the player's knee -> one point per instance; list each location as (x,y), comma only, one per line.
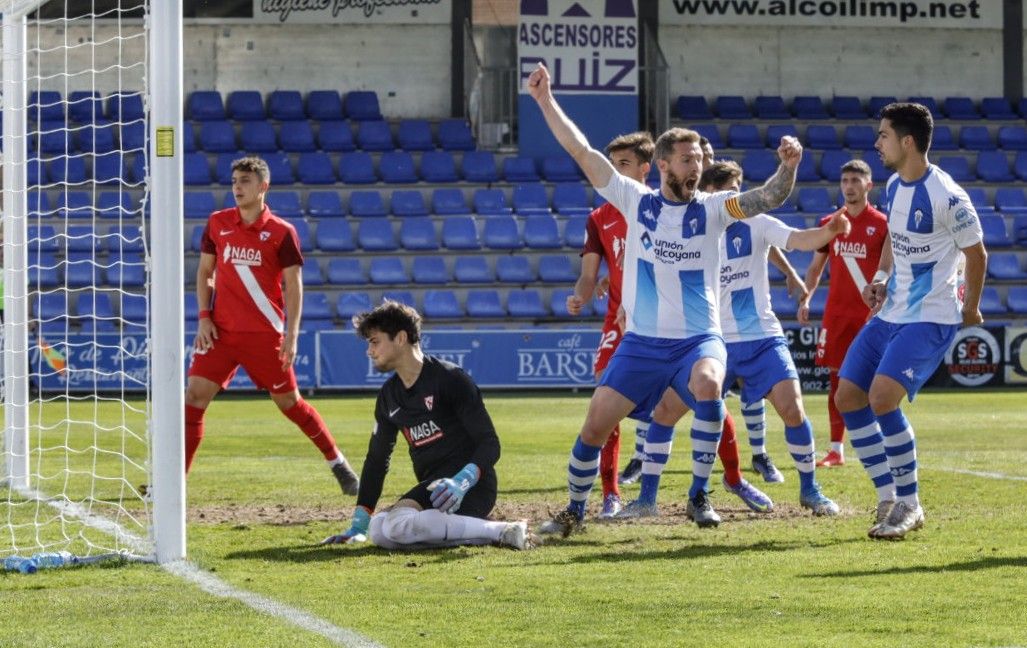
(881,402)
(197,397)
(792,414)
(400,526)
(705,387)
(286,401)
(849,398)
(375,530)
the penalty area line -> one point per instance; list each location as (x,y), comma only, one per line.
(976,473)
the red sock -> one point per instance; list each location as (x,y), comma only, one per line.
(608,460)
(193,433)
(728,452)
(837,422)
(308,420)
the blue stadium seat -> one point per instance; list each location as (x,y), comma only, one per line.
(408,202)
(39,204)
(223,168)
(415,135)
(125,238)
(525,303)
(325,204)
(311,273)
(1020,165)
(560,168)
(570,199)
(418,233)
(285,204)
(519,169)
(961,108)
(50,306)
(574,232)
(1010,200)
(1017,299)
(302,233)
(286,105)
(500,233)
(796,220)
(126,270)
(817,304)
(490,202)
(429,270)
(125,107)
(942,139)
(847,108)
(36,172)
(731,107)
(246,105)
(351,304)
(133,137)
(822,137)
(710,132)
(992,166)
(759,165)
(313,325)
(878,172)
(74,204)
(558,304)
(541,232)
(217,137)
(997,108)
(376,235)
(809,107)
(807,171)
(97,138)
(397,167)
(1005,265)
(991,302)
(335,136)
(995,233)
(514,269)
(82,238)
(876,103)
(599,306)
(315,307)
(192,310)
(83,270)
(530,199)
(346,271)
(442,304)
(815,200)
(196,239)
(375,136)
(692,107)
(776,131)
(1012,138)
(46,105)
(484,304)
(42,238)
(976,138)
(111,204)
(472,270)
(455,135)
(281,168)
(446,202)
(362,105)
(256,137)
(55,138)
(479,166)
(460,233)
(556,268)
(929,103)
(205,105)
(770,107)
(744,136)
(363,204)
(324,105)
(979,199)
(138,167)
(860,138)
(402,296)
(85,106)
(831,163)
(958,168)
(133,307)
(356,168)
(388,270)
(109,168)
(438,166)
(335,236)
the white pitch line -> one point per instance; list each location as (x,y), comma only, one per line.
(987,475)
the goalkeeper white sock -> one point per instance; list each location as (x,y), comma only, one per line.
(404,526)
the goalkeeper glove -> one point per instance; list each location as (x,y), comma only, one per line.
(447,494)
(357,531)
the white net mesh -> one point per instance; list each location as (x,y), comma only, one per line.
(87,300)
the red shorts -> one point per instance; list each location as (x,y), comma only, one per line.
(257,353)
(836,335)
(608,343)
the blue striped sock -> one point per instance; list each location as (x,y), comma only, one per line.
(658,442)
(755,415)
(706,428)
(581,474)
(800,445)
(641,429)
(900,448)
(865,436)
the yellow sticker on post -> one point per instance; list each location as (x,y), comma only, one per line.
(165,141)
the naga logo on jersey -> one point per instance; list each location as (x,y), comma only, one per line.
(265,236)
(429,401)
(238,255)
(850,249)
(419,435)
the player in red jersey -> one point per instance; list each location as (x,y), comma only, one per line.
(631,155)
(246,251)
(854,260)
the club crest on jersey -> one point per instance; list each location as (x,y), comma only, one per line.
(921,221)
(238,255)
(265,236)
(737,242)
(918,216)
(429,401)
(423,433)
(694,222)
(739,237)
(870,230)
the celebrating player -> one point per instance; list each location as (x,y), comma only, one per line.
(854,258)
(244,313)
(930,221)
(453,446)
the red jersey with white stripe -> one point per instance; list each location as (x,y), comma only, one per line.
(853,262)
(248,279)
(604,235)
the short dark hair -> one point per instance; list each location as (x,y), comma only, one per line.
(390,318)
(911,119)
(640,143)
(253,164)
(719,174)
(857,166)
(665,143)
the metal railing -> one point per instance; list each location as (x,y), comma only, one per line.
(491,87)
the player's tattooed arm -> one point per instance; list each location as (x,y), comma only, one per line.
(775,190)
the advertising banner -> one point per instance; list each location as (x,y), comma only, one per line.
(353,12)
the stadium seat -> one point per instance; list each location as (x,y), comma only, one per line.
(732,107)
(472,270)
(46,105)
(574,232)
(402,296)
(325,204)
(205,105)
(1010,200)
(408,202)
(126,270)
(692,107)
(997,108)
(302,233)
(280,167)
(346,271)
(286,105)
(541,232)
(995,233)
(388,270)
(109,168)
(710,132)
(929,103)
(429,270)
(992,166)
(490,202)
(196,169)
(525,303)
(418,233)
(83,270)
(599,306)
(876,103)
(556,268)
(976,138)
(500,233)
(519,169)
(362,105)
(991,302)
(350,304)
(36,172)
(776,131)
(1020,165)
(1012,138)
(94,304)
(744,136)
(375,136)
(560,168)
(860,138)
(415,135)
(315,306)
(55,138)
(514,269)
(1017,299)
(356,168)
(570,199)
(558,304)
(455,135)
(831,163)
(74,204)
(125,107)
(364,204)
(97,137)
(125,238)
(807,171)
(111,204)
(39,204)
(324,105)
(217,137)
(397,167)
(847,108)
(479,166)
(1005,265)
(878,172)
(961,108)
(133,137)
(442,304)
(311,273)
(822,136)
(376,235)
(285,204)
(446,202)
(85,106)
(979,199)
(530,198)
(460,233)
(484,304)
(195,240)
(335,136)
(770,107)
(42,238)
(258,137)
(82,238)
(815,200)
(246,105)
(438,166)
(335,236)
(759,165)
(958,168)
(809,107)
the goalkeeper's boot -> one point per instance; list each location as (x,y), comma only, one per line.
(631,472)
(517,536)
(815,500)
(701,511)
(753,497)
(348,480)
(902,519)
(764,465)
(564,523)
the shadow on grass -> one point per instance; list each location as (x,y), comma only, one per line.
(991,562)
(691,549)
(321,553)
(534,491)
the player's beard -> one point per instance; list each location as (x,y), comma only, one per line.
(680,187)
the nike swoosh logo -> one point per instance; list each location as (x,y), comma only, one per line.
(608,226)
(278,385)
(228,231)
(393,412)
